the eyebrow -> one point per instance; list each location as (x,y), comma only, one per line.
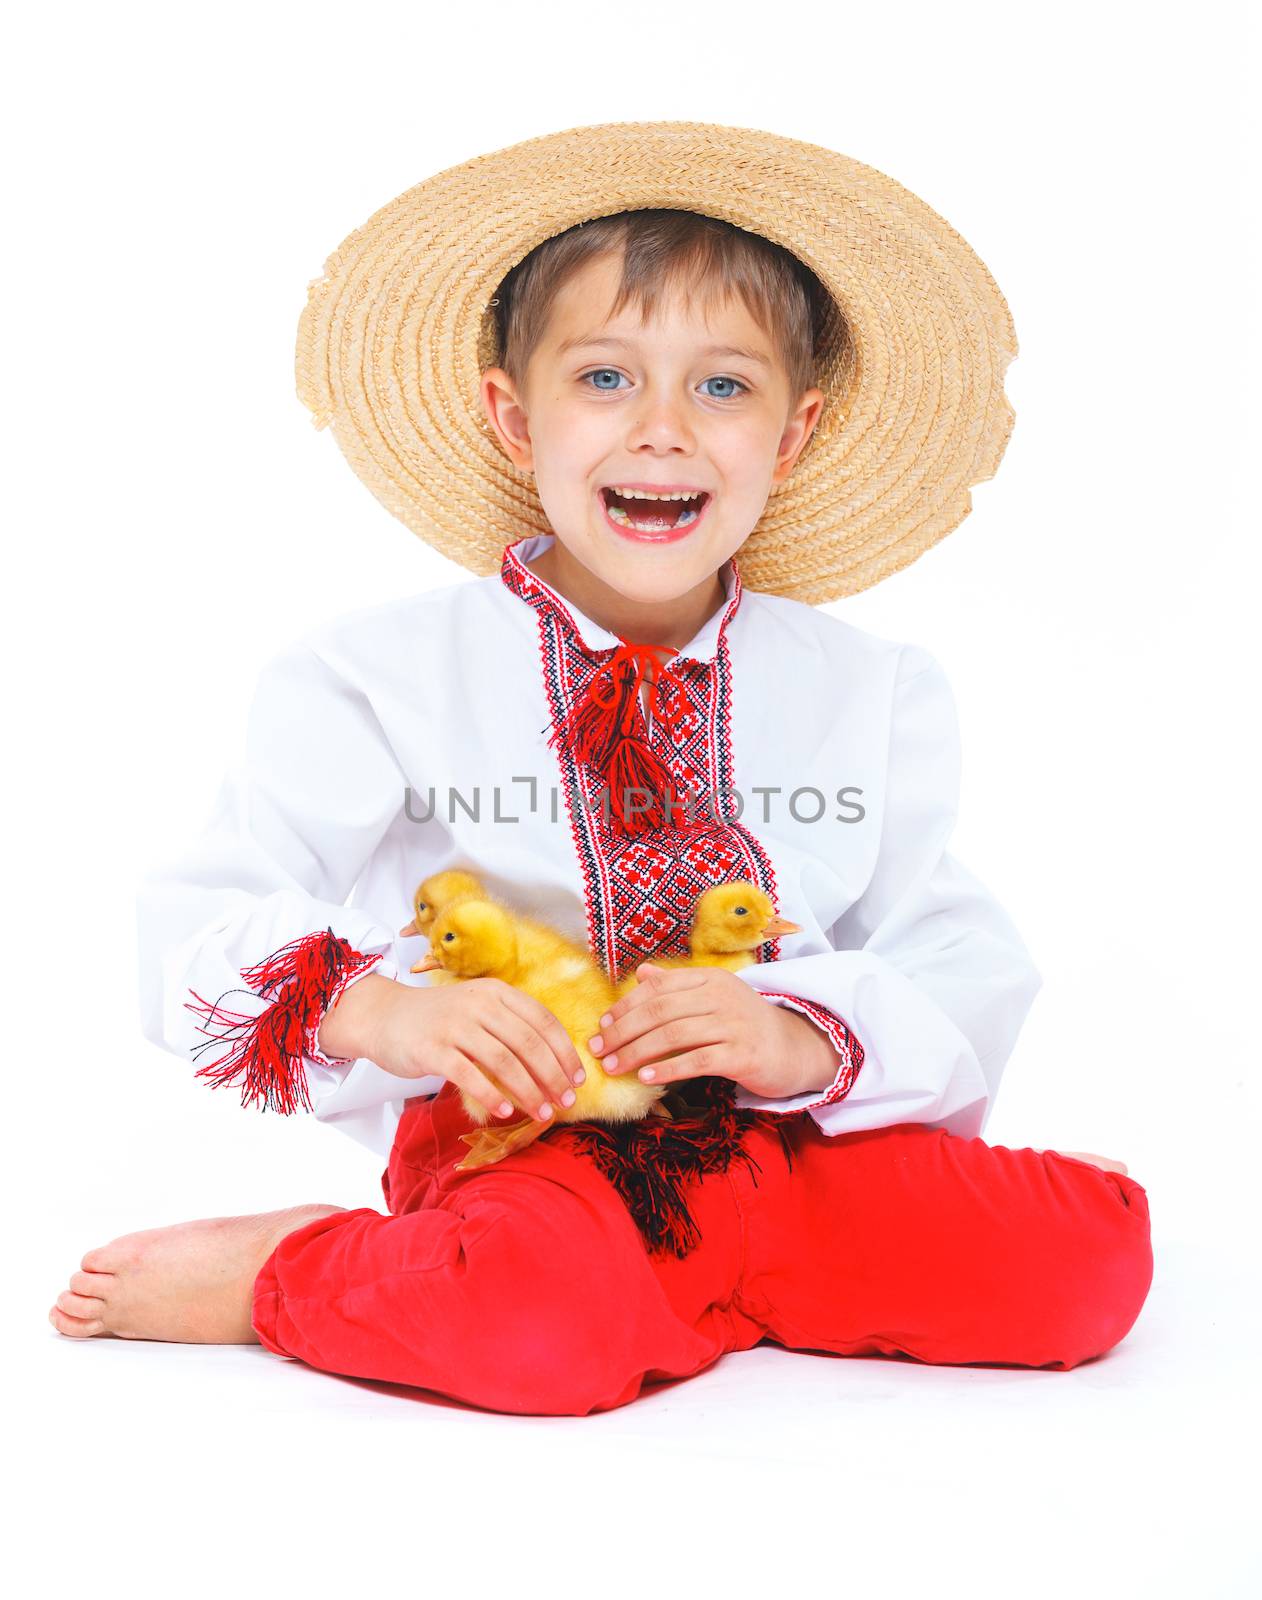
(592,339)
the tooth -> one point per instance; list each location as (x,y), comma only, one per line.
(643,494)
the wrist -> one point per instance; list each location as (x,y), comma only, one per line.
(813,1054)
(349,1028)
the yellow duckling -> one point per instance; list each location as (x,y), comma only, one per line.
(435,894)
(729,922)
(474,938)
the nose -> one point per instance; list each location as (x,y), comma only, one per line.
(660,421)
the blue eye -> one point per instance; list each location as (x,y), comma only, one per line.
(601,372)
(736,381)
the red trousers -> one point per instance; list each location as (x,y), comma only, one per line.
(526,1286)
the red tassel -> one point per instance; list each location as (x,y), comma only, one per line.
(652,1162)
(600,731)
(306,978)
(635,769)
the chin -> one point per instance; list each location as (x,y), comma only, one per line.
(650,577)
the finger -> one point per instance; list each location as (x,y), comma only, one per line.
(703,1062)
(503,1066)
(536,1054)
(549,1027)
(468,1075)
(653,980)
(655,1054)
(545,1083)
(655,1012)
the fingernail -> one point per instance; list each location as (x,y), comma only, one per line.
(568,1098)
(506,1109)
(545,1112)
(647,1074)
(595,1044)
(606,1021)
(610,1063)
(580,1075)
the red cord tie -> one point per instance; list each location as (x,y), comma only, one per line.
(600,730)
(306,978)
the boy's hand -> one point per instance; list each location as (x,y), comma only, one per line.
(489,1038)
(692,1022)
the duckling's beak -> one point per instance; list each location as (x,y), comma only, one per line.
(410,931)
(778,927)
(427,963)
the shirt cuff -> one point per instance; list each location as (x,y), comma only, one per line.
(368,963)
(849,1058)
(269,1051)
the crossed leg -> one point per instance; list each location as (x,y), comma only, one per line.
(904,1240)
(912,1241)
(523,1288)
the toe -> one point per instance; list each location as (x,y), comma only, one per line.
(1105,1163)
(96,1285)
(81,1306)
(103,1259)
(74,1327)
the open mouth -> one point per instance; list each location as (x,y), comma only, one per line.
(649,513)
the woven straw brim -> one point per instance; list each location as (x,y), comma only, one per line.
(399,329)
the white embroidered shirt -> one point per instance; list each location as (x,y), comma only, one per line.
(413,736)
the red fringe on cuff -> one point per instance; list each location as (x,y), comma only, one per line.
(303,980)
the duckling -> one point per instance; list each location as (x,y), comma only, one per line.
(474,938)
(729,922)
(433,895)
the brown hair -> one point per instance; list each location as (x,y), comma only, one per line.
(675,249)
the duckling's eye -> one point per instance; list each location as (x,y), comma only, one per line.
(741,911)
(448,937)
(421,905)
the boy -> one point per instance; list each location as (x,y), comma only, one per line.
(840,1198)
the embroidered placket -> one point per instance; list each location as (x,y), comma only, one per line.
(640,891)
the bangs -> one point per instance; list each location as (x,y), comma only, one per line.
(668,253)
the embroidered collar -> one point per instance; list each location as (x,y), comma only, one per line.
(521,581)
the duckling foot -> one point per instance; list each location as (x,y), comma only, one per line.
(488,1145)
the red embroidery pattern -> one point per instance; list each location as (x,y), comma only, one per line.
(641,890)
(847,1046)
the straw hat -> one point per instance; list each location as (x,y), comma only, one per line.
(397,332)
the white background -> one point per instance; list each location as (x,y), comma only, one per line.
(176,176)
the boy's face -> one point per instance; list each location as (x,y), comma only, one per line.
(655,405)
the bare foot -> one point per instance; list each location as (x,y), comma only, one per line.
(1102,1162)
(188,1284)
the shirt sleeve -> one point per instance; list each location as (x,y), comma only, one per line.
(926,968)
(245,939)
